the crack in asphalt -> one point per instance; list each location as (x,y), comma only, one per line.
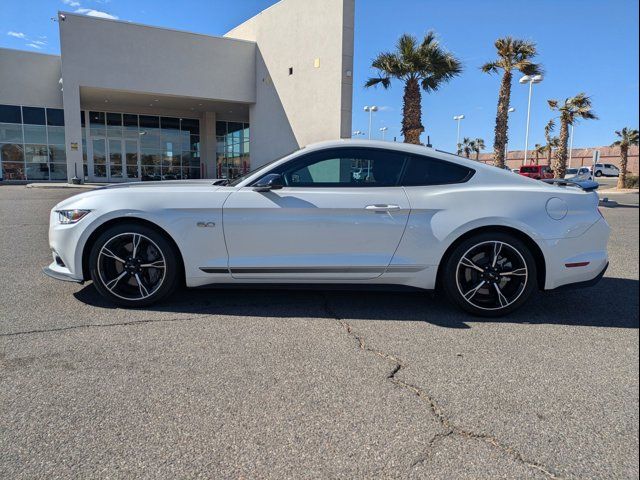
(449,427)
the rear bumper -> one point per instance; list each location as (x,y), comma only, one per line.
(577,261)
(586,283)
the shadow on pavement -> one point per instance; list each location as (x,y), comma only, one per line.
(612,303)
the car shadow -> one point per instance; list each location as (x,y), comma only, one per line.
(612,303)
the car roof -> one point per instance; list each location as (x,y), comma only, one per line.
(399,147)
(396,147)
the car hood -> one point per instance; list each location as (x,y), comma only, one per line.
(170,187)
(159,184)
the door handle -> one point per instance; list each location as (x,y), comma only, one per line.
(382,207)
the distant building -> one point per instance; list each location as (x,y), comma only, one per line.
(146,103)
(579,157)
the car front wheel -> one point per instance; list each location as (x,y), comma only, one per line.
(133,265)
(490,275)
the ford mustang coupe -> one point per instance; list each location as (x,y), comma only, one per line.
(341,212)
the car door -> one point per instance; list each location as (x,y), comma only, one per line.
(340,215)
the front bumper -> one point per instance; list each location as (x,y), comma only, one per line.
(60,273)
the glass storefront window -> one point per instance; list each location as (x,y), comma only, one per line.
(10,114)
(97,124)
(55,117)
(35,134)
(155,146)
(114,125)
(10,133)
(58,171)
(36,154)
(55,135)
(33,116)
(57,154)
(232,149)
(32,140)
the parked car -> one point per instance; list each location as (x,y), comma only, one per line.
(537,172)
(605,170)
(421,219)
(582,173)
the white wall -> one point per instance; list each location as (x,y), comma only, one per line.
(314,103)
(125,56)
(28,78)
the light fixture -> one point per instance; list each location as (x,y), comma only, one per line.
(530,79)
(370,109)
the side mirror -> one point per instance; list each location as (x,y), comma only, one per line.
(273,181)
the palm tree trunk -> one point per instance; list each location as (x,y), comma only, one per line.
(412,112)
(560,168)
(624,156)
(502,120)
(549,155)
(478,156)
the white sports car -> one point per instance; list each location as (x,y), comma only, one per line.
(342,212)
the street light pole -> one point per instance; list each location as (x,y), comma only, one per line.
(571,146)
(383,130)
(458,118)
(530,80)
(370,109)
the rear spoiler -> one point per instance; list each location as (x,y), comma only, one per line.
(586,185)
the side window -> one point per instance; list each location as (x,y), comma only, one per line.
(430,171)
(347,167)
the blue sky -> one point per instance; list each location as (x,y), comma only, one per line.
(584,45)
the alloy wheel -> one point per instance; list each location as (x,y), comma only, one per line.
(131,266)
(492,275)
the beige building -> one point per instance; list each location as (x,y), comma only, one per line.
(128,102)
(579,157)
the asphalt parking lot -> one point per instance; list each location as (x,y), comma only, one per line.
(311,384)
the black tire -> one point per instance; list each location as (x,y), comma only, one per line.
(151,274)
(598,173)
(514,274)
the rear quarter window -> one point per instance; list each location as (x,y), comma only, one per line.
(422,170)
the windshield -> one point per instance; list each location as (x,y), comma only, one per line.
(238,180)
(528,169)
(572,170)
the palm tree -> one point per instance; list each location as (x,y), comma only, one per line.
(628,137)
(425,65)
(478,146)
(467,146)
(552,142)
(571,110)
(538,151)
(513,54)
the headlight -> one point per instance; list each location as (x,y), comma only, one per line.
(71,216)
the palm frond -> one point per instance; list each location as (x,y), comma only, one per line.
(490,67)
(375,81)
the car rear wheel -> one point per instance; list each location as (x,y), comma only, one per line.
(133,265)
(598,173)
(490,275)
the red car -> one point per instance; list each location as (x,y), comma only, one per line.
(537,172)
